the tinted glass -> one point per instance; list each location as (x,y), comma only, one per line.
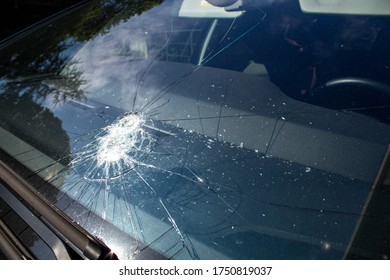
(203,133)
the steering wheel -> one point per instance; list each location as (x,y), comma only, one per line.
(361,82)
(349,92)
(365,96)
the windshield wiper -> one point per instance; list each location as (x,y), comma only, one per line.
(10,244)
(88,245)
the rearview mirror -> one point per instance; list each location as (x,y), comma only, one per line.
(222,3)
(208,8)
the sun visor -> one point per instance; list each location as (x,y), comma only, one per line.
(203,9)
(348,7)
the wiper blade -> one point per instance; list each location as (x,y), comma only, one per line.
(11,246)
(90,247)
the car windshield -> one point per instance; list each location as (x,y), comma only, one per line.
(193,131)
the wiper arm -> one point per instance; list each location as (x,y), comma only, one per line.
(90,247)
(11,245)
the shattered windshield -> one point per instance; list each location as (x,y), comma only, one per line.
(201,132)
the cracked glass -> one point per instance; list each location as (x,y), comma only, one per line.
(202,132)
